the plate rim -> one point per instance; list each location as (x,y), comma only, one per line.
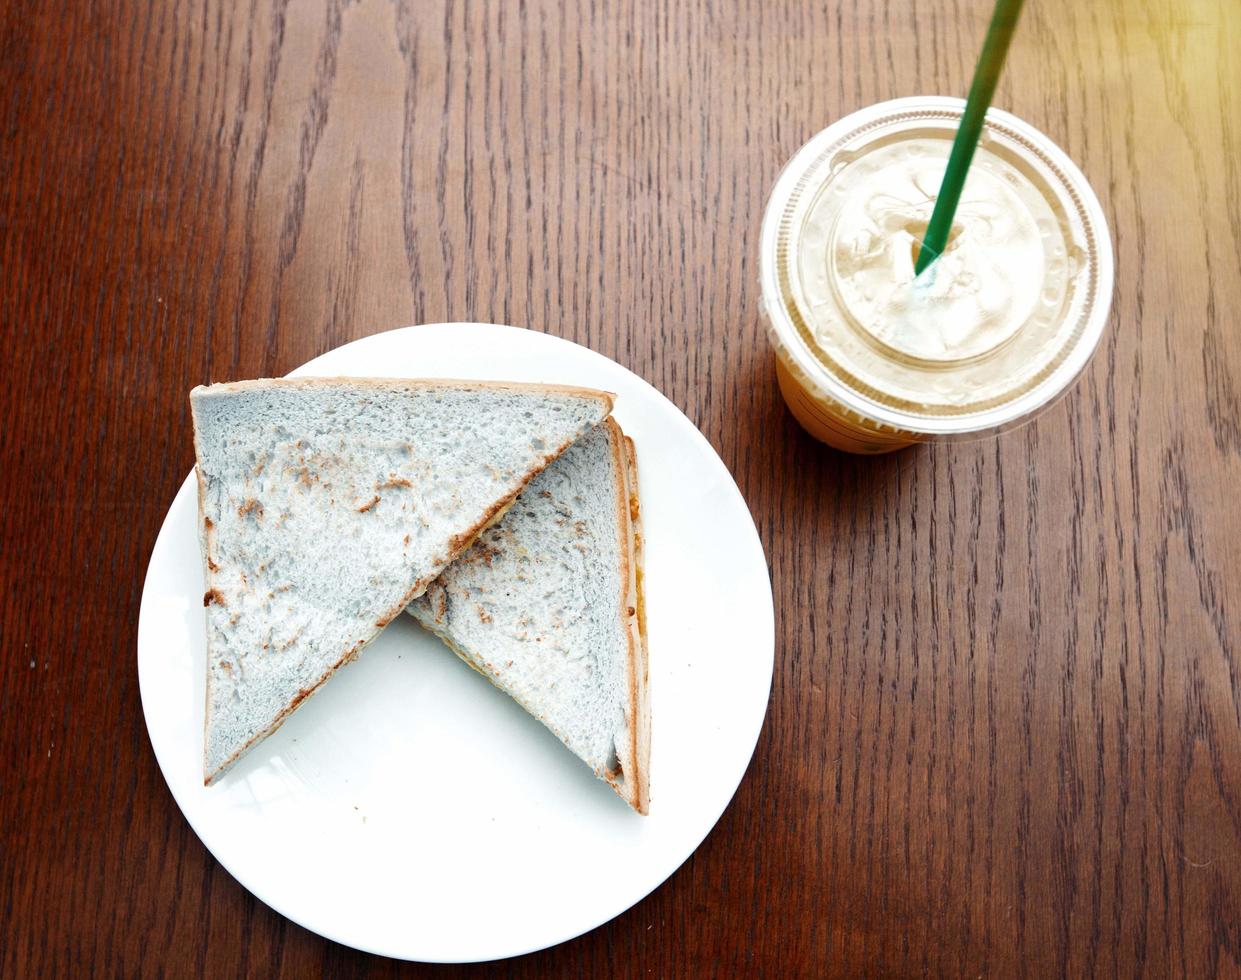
(766,609)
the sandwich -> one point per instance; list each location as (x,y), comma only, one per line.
(547,605)
(327,504)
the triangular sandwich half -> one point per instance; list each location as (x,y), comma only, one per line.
(547,605)
(327,504)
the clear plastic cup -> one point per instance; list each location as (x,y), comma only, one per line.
(870,360)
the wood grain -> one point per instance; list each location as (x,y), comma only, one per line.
(1005,730)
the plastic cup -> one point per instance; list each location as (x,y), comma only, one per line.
(870,360)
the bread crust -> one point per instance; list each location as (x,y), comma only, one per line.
(467,383)
(636,785)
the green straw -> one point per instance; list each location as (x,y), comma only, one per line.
(986,74)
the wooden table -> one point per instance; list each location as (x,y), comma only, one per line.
(1005,729)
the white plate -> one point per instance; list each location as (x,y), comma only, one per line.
(412,810)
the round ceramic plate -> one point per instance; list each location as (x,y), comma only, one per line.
(411,809)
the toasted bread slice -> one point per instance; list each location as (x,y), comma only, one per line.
(327,504)
(547,605)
